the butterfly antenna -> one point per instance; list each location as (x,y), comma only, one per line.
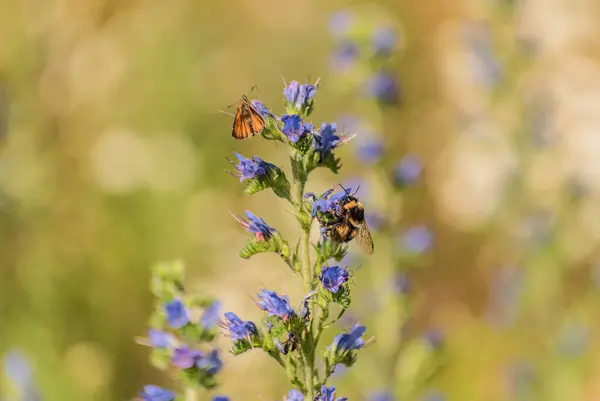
(225,112)
(283,79)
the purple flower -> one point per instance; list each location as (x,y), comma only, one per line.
(294,395)
(417,240)
(350,341)
(326,140)
(186,358)
(320,204)
(384,41)
(275,304)
(328,394)
(210,317)
(340,23)
(251,168)
(262,109)
(255,225)
(383,395)
(177,315)
(155,393)
(220,398)
(370,151)
(237,328)
(375,220)
(293,128)
(407,170)
(401,284)
(210,363)
(160,339)
(434,337)
(333,277)
(299,95)
(384,88)
(345,53)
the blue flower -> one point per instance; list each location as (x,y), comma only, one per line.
(345,53)
(326,140)
(320,204)
(275,304)
(177,315)
(340,23)
(294,395)
(375,220)
(299,95)
(293,128)
(384,395)
(237,328)
(328,394)
(384,41)
(417,240)
(256,225)
(155,393)
(401,284)
(251,168)
(350,341)
(333,277)
(210,363)
(185,357)
(434,338)
(370,151)
(210,317)
(160,339)
(220,398)
(407,170)
(262,109)
(384,88)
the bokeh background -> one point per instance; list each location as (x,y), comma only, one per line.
(112,157)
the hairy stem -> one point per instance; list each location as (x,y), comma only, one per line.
(307,275)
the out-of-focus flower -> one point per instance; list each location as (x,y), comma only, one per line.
(262,109)
(293,128)
(274,304)
(186,358)
(256,226)
(407,170)
(401,284)
(369,150)
(177,315)
(160,339)
(251,168)
(375,220)
(384,41)
(328,394)
(344,55)
(237,328)
(210,363)
(155,393)
(210,317)
(434,338)
(220,398)
(333,277)
(299,95)
(417,240)
(294,395)
(384,87)
(340,23)
(383,395)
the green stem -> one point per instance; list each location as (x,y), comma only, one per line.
(307,275)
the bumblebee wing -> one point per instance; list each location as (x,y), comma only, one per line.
(364,239)
(241,127)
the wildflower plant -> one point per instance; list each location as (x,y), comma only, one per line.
(182,329)
(291,333)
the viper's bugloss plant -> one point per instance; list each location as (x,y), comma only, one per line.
(290,333)
(182,329)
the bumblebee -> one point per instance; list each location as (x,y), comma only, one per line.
(348,223)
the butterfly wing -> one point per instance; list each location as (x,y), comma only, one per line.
(257,123)
(241,129)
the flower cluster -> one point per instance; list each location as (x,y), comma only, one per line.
(373,46)
(180,343)
(290,334)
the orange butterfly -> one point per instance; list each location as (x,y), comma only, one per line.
(247,121)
